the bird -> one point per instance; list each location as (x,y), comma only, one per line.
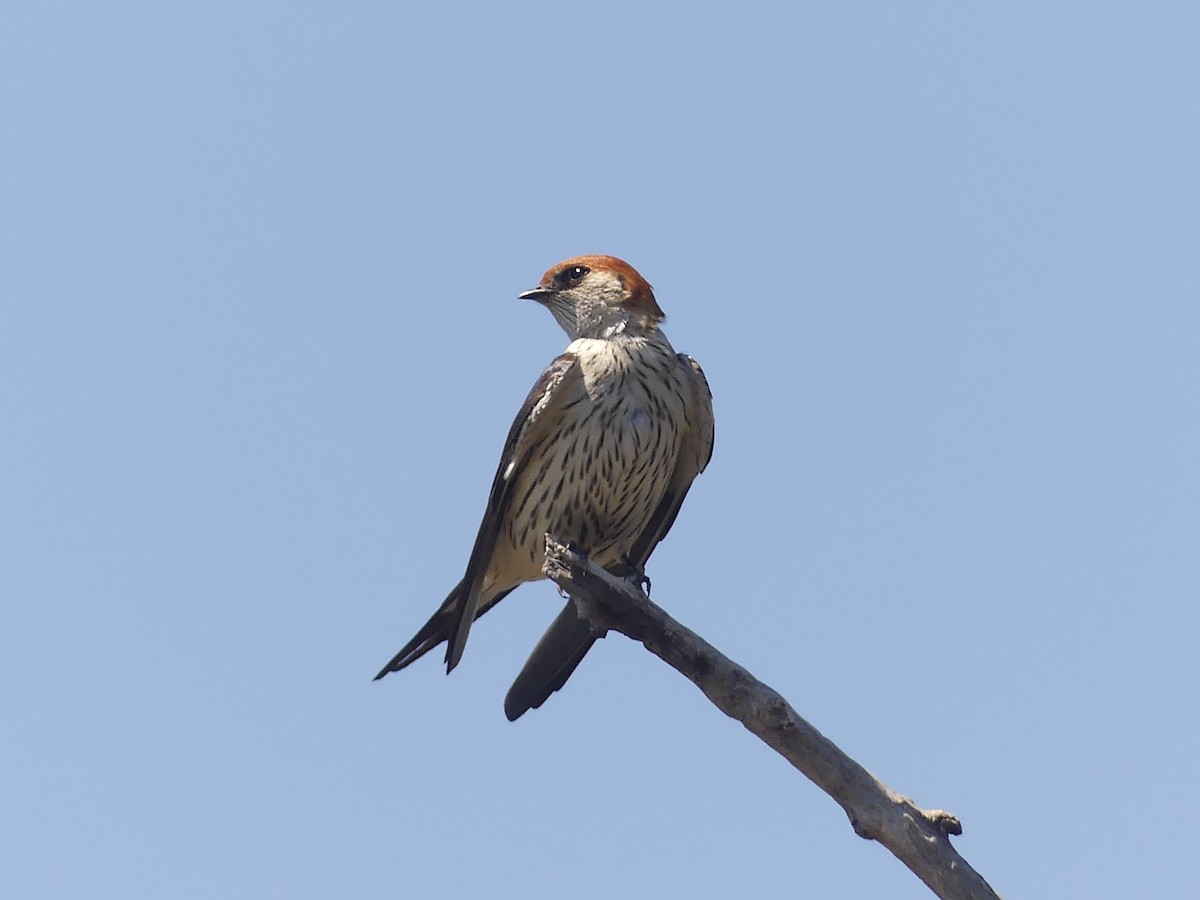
(600,455)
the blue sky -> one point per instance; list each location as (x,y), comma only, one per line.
(259,347)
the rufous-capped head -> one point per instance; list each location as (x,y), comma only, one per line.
(597,296)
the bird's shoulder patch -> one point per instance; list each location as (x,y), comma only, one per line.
(700,414)
(544,393)
(696,371)
(549,382)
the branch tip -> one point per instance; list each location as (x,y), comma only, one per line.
(919,838)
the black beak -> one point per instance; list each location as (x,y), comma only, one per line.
(541,295)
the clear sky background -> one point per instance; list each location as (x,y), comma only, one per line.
(259,348)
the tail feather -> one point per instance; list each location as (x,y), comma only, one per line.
(459,626)
(561,649)
(435,631)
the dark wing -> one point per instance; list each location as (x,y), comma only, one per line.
(453,618)
(569,637)
(694,454)
(532,426)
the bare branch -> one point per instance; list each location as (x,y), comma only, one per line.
(919,838)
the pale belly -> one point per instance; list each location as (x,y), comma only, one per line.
(596,486)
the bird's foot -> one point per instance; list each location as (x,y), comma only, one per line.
(580,552)
(627,570)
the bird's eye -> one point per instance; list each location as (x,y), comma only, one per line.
(573,275)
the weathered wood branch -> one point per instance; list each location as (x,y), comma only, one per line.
(919,838)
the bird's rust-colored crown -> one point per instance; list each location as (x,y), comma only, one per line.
(641,295)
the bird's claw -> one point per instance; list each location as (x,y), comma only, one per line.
(579,551)
(627,570)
